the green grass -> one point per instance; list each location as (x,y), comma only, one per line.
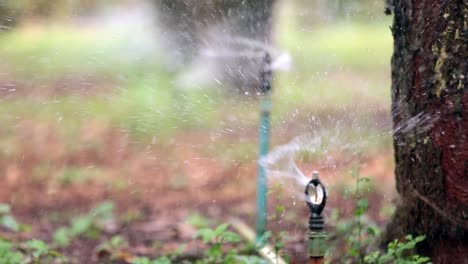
(53,52)
(353,45)
(335,66)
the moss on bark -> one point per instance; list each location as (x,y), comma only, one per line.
(429,64)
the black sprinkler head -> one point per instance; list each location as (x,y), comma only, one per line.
(266,74)
(316,198)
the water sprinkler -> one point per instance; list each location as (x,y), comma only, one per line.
(316,198)
(264,138)
(266,75)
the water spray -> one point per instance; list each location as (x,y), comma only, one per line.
(316,198)
(264,138)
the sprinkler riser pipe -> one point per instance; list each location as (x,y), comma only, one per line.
(264,136)
(317,245)
(317,237)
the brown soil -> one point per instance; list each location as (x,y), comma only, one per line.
(162,184)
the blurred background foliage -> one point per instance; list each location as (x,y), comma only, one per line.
(50,48)
(13,12)
(117,96)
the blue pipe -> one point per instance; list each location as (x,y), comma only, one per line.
(264,138)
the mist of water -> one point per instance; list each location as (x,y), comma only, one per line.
(240,47)
(329,147)
(223,55)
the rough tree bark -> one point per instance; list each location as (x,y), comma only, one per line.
(430,111)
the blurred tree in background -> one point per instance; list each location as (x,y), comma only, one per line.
(190,26)
(188,21)
(15,12)
(179,14)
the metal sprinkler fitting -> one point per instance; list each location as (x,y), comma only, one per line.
(316,198)
(266,74)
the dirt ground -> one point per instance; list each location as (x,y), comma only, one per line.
(162,186)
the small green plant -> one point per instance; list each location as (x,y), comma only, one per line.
(277,240)
(116,243)
(399,253)
(197,220)
(39,252)
(8,254)
(30,252)
(359,232)
(89,224)
(167,259)
(6,219)
(145,260)
(215,238)
(357,246)
(37,248)
(250,260)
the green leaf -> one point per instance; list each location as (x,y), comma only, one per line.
(38,248)
(371,231)
(230,236)
(279,245)
(250,260)
(103,209)
(80,225)
(363,203)
(4,208)
(162,260)
(343,226)
(263,239)
(198,220)
(9,222)
(215,250)
(118,241)
(420,238)
(9,255)
(206,234)
(386,258)
(359,211)
(353,252)
(279,209)
(221,228)
(61,237)
(364,179)
(141,260)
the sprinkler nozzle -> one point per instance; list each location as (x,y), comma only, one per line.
(316,198)
(316,195)
(266,74)
(315,175)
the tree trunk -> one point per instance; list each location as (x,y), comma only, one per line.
(430,111)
